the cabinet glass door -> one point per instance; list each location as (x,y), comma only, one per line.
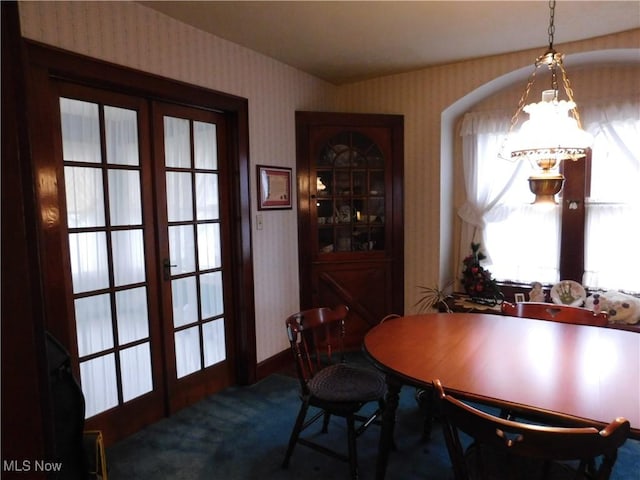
(350,195)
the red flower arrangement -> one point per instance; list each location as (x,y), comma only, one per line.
(477,281)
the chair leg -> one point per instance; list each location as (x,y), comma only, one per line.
(295,433)
(353,452)
(325,422)
(424,397)
(381,406)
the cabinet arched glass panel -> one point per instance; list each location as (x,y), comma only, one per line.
(350,196)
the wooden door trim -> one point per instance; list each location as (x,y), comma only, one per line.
(27,426)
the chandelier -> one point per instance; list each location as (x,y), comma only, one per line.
(553,131)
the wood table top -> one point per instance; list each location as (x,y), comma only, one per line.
(585,374)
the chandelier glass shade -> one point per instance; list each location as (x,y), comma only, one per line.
(552,133)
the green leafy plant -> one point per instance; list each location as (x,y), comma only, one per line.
(433,298)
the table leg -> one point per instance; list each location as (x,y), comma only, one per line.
(388,425)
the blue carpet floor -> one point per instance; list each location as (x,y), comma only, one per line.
(242,433)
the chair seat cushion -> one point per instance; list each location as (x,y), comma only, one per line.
(345,383)
(496,465)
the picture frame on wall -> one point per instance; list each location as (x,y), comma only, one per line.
(274,188)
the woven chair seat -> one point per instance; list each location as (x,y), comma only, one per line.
(345,383)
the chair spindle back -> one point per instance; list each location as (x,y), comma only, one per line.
(510,439)
(556,313)
(316,336)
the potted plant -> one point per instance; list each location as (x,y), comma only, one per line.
(434,298)
(477,281)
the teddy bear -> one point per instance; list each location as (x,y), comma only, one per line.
(622,308)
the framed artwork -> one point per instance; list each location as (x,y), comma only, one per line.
(519,297)
(274,188)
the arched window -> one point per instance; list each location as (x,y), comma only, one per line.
(523,241)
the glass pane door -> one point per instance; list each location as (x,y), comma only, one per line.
(102,174)
(194,265)
(135,197)
(350,195)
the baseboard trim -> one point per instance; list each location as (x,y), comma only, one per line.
(275,364)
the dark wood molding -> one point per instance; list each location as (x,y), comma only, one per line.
(572,239)
(91,72)
(27,428)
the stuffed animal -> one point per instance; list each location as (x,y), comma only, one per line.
(622,308)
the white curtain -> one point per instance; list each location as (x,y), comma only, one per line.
(481,140)
(519,240)
(613,206)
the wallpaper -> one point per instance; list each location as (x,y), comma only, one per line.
(434,99)
(431,101)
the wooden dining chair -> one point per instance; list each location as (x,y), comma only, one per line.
(556,313)
(328,382)
(506,449)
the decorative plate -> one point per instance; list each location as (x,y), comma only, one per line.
(568,292)
(342,155)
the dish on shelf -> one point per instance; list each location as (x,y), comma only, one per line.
(342,156)
(568,292)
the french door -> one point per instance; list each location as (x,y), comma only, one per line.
(190,185)
(145,205)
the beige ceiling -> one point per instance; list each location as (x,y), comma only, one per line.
(343,41)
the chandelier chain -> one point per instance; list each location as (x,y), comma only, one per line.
(523,99)
(554,76)
(569,91)
(538,151)
(552,27)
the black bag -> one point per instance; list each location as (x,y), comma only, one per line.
(67,404)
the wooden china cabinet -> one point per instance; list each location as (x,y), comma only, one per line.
(350,206)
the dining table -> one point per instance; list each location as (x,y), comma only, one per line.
(574,375)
